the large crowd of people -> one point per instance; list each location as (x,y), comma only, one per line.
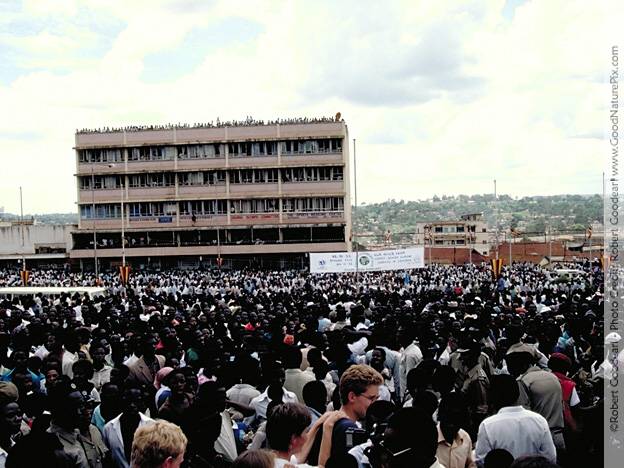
(248,122)
(444,366)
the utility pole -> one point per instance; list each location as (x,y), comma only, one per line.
(218,249)
(496,218)
(357,249)
(591,258)
(22,230)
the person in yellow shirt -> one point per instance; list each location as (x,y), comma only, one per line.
(454,443)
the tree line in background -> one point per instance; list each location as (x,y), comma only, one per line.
(527,214)
(537,214)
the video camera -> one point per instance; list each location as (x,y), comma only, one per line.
(357,436)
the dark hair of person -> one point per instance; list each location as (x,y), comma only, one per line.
(453,402)
(504,390)
(443,379)
(426,401)
(533,462)
(254,459)
(421,376)
(320,370)
(123,370)
(314,355)
(285,421)
(377,411)
(292,357)
(314,393)
(413,428)
(341,460)
(85,366)
(498,458)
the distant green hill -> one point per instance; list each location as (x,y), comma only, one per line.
(572,213)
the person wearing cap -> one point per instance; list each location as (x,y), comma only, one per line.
(560,365)
(476,385)
(10,419)
(68,407)
(540,390)
(458,365)
(91,437)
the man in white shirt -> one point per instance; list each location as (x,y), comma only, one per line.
(70,355)
(243,392)
(392,363)
(411,356)
(295,378)
(513,428)
(261,402)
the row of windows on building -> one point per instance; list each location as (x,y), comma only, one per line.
(240,176)
(214,207)
(454,242)
(212,150)
(451,229)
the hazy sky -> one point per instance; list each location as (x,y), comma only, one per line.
(442,96)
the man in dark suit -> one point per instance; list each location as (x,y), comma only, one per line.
(144,370)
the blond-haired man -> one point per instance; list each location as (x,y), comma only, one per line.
(158,445)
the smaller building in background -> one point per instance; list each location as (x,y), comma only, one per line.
(469,232)
(40,245)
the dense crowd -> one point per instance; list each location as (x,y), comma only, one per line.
(248,122)
(439,367)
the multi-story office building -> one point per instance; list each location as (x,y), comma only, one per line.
(185,195)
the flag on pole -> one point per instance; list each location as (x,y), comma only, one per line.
(124,274)
(497,267)
(589,232)
(24,275)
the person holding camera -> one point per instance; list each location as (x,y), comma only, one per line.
(359,440)
(409,441)
(359,388)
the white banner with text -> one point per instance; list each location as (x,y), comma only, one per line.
(380,260)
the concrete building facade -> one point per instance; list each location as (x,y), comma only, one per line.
(187,195)
(41,245)
(470,231)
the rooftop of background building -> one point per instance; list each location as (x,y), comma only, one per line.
(248,122)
